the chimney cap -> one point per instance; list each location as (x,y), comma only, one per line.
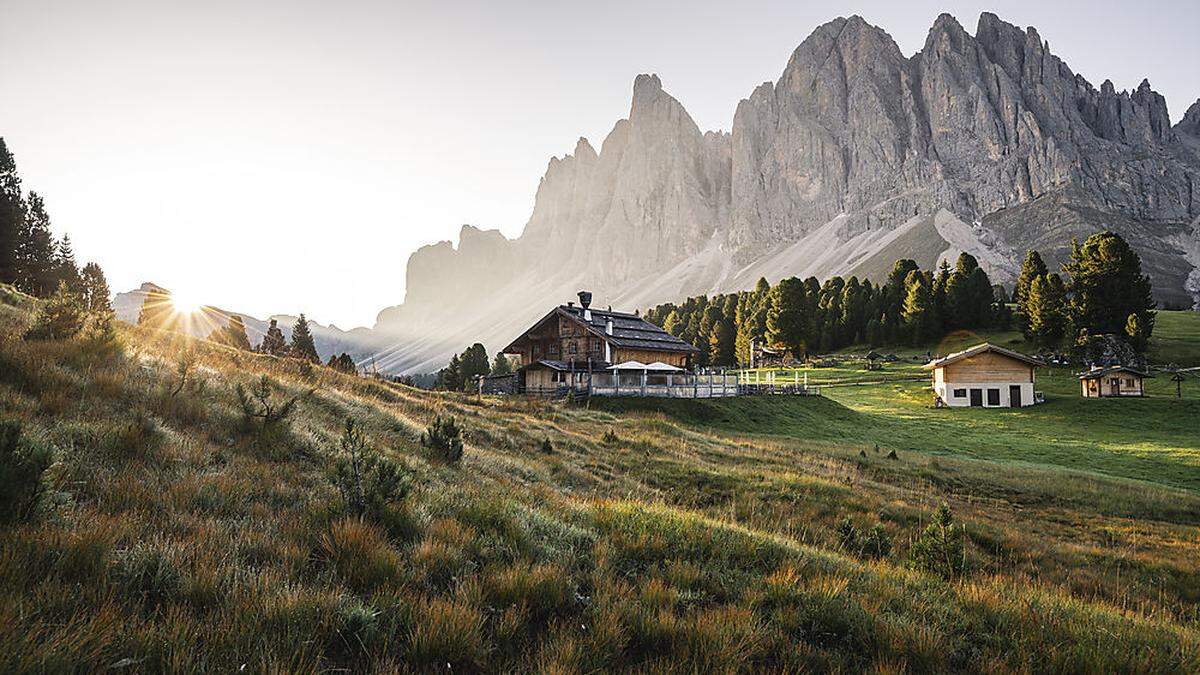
(585,299)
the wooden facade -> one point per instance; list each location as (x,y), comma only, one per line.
(984,376)
(1112,381)
(571,344)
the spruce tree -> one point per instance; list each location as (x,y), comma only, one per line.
(721,343)
(303,346)
(65,268)
(12,216)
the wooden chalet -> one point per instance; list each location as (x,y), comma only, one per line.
(571,345)
(984,376)
(1108,381)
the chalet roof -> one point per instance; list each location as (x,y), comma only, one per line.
(980,349)
(552,365)
(1096,373)
(629,330)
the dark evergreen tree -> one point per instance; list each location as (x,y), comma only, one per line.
(66,269)
(474,363)
(12,216)
(786,321)
(450,377)
(722,343)
(501,365)
(918,309)
(303,346)
(1106,286)
(273,342)
(94,289)
(1044,319)
(1031,268)
(37,265)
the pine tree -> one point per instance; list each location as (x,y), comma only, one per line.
(95,291)
(501,365)
(1107,285)
(1032,268)
(1137,331)
(273,342)
(918,308)
(786,320)
(673,324)
(473,364)
(1045,321)
(12,216)
(721,343)
(37,270)
(450,377)
(303,346)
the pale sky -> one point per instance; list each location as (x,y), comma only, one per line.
(288,156)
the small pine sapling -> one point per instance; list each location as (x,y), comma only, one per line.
(444,438)
(939,550)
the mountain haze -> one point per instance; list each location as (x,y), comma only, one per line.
(856,156)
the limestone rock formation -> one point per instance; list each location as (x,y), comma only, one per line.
(856,155)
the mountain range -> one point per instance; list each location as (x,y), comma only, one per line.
(856,156)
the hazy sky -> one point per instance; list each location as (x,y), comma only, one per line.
(289,156)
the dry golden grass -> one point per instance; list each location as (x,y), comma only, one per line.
(170,540)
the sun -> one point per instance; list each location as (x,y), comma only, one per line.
(183,303)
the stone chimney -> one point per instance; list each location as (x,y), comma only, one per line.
(585,301)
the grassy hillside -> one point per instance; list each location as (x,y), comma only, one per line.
(175,535)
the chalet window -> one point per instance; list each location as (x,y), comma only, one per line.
(993,397)
(595,346)
(558,376)
(553,349)
(1115,381)
(572,348)
(960,393)
(537,350)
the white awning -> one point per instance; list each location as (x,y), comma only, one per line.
(656,367)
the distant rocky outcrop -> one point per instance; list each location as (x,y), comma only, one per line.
(857,155)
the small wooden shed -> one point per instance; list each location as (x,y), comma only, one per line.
(1109,381)
(984,376)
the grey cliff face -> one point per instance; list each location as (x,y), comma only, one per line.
(985,142)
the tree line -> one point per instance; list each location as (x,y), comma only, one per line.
(464,368)
(1103,292)
(803,317)
(32,259)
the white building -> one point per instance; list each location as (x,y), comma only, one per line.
(984,376)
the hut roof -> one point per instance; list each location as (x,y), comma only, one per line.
(980,349)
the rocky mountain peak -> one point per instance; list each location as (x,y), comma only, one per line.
(856,156)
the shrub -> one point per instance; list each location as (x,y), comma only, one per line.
(183,368)
(611,438)
(61,316)
(939,549)
(368,482)
(873,543)
(262,410)
(444,438)
(22,470)
(547,447)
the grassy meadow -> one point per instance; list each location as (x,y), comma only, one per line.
(173,534)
